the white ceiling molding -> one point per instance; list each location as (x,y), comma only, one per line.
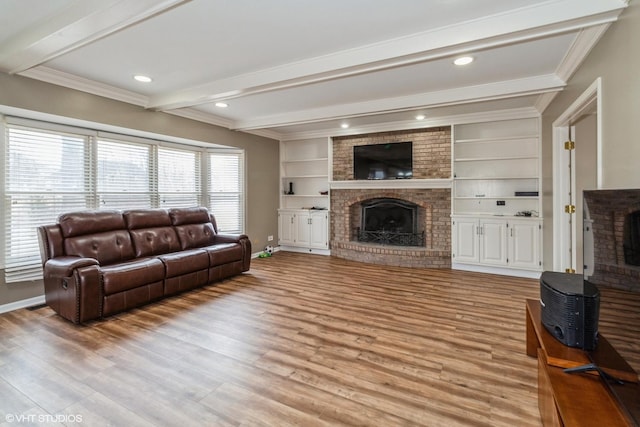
(76,25)
(200,116)
(519,25)
(582,45)
(461,95)
(449,120)
(544,100)
(72,81)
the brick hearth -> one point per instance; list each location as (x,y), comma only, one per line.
(431,161)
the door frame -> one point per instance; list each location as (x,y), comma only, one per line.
(564,236)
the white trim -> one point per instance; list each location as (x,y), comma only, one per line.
(560,128)
(74,82)
(390,184)
(487,116)
(579,49)
(441,98)
(305,250)
(29,302)
(497,270)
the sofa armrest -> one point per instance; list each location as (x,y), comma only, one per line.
(72,288)
(242,240)
(64,266)
(230,238)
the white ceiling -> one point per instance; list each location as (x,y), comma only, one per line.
(294,68)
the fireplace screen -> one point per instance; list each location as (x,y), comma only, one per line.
(389,222)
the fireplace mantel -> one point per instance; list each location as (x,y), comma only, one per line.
(390,184)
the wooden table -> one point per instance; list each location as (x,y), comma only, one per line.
(574,399)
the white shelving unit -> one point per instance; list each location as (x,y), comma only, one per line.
(496,171)
(305,165)
(304,168)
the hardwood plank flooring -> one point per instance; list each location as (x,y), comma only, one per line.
(299,340)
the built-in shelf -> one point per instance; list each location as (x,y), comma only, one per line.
(304,164)
(492,161)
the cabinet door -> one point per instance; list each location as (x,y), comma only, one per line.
(524,244)
(465,240)
(303,228)
(319,230)
(493,242)
(286,228)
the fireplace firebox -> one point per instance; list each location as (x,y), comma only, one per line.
(389,221)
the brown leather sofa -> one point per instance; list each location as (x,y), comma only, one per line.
(97,263)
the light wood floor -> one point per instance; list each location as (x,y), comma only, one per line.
(299,340)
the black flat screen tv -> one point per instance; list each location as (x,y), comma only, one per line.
(383,161)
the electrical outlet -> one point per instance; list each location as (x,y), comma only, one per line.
(500,202)
(269,238)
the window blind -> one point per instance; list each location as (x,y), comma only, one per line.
(179,178)
(124,175)
(46,173)
(226,190)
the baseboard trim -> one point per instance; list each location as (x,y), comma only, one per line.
(530,274)
(305,250)
(29,302)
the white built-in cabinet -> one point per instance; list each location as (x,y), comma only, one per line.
(496,194)
(303,228)
(303,217)
(497,242)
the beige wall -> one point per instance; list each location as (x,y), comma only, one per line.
(616,60)
(262,154)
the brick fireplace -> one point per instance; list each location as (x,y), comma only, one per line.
(615,220)
(429,190)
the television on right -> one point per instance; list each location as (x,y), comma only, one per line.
(611,253)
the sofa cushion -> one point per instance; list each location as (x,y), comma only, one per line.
(224,253)
(195,215)
(132,274)
(184,262)
(154,241)
(195,235)
(107,247)
(146,218)
(90,222)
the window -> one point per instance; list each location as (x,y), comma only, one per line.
(48,172)
(179,178)
(45,173)
(226,190)
(124,175)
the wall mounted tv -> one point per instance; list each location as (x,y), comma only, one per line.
(383,161)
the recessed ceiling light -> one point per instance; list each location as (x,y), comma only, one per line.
(420,117)
(222,104)
(344,125)
(143,79)
(464,60)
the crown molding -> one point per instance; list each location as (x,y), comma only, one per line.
(201,116)
(462,95)
(449,120)
(71,81)
(544,100)
(579,49)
